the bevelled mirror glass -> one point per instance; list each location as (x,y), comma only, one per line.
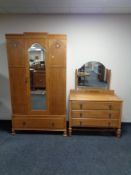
(37,71)
(93,74)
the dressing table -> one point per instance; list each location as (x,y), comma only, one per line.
(91,107)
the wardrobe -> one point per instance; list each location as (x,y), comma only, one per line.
(37,73)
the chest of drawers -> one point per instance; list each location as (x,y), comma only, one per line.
(96,109)
(39,79)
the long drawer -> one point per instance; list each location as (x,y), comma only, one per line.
(84,105)
(40,123)
(96,114)
(114,123)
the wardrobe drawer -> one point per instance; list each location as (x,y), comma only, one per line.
(95,123)
(96,114)
(47,123)
(77,105)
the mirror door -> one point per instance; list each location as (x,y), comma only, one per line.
(37,72)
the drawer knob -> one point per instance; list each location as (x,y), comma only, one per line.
(80,106)
(24,123)
(80,114)
(110,107)
(80,123)
(110,115)
(53,124)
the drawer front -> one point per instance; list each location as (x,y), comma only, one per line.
(77,105)
(96,114)
(47,123)
(95,123)
(39,81)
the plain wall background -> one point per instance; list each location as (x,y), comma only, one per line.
(103,38)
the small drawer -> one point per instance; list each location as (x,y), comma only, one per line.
(95,114)
(77,105)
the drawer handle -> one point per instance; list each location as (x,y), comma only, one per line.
(109,124)
(24,123)
(110,115)
(80,106)
(110,107)
(53,124)
(80,114)
(80,123)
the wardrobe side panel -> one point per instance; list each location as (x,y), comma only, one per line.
(57,86)
(15,51)
(57,75)
(17,73)
(18,86)
(57,52)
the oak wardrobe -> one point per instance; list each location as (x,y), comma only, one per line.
(37,72)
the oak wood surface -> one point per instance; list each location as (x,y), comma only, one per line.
(24,118)
(95,108)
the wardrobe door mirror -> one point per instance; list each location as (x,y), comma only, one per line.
(37,71)
(93,75)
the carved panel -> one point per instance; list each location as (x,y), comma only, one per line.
(14,43)
(56,44)
(16,55)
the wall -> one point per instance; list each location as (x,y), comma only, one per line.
(104,38)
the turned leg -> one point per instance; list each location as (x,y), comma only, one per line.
(118,132)
(13,132)
(70,131)
(65,133)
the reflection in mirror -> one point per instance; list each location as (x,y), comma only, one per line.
(37,69)
(93,75)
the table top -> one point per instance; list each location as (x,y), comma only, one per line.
(94,96)
(82,74)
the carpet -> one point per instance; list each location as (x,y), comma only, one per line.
(49,153)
